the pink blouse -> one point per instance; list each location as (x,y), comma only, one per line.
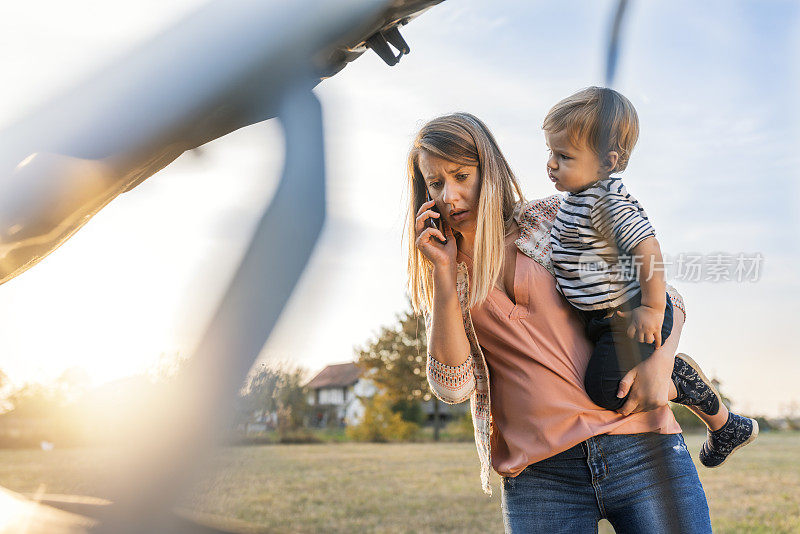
(536,353)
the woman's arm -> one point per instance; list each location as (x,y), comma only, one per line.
(649,381)
(447,339)
(450,370)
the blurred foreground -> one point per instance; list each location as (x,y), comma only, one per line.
(424,487)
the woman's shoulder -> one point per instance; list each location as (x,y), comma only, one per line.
(527,212)
(535,219)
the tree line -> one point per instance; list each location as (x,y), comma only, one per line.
(273,399)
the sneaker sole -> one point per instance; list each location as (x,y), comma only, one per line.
(693,364)
(752,437)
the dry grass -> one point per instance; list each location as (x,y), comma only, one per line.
(427,487)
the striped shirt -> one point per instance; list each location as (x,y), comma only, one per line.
(592,240)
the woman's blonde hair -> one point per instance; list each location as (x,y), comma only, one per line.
(465,140)
(601,118)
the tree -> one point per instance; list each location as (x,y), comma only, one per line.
(168,367)
(41,400)
(277,388)
(5,405)
(396,362)
(47,412)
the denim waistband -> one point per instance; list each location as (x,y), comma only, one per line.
(576,451)
(614,441)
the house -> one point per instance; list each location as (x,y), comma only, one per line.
(333,395)
(334,391)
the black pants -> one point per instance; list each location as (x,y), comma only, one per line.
(614,352)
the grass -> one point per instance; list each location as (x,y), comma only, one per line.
(419,487)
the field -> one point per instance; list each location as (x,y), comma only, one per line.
(425,487)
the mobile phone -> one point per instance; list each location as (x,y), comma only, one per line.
(435,222)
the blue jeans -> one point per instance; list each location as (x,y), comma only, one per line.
(641,483)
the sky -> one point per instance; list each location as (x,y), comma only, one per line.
(716,168)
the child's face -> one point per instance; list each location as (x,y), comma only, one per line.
(571,168)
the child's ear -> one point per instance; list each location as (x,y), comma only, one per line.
(610,162)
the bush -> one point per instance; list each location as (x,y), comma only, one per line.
(763,423)
(460,429)
(381,424)
(409,410)
(687,418)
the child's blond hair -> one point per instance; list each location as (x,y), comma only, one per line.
(599,117)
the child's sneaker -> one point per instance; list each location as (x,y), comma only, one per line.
(737,432)
(694,389)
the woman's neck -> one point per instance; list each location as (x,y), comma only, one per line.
(466,242)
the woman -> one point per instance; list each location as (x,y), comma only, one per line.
(565,463)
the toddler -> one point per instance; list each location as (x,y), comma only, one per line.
(607,261)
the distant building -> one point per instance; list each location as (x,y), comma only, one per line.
(334,391)
(333,395)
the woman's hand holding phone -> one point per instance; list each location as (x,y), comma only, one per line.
(439,246)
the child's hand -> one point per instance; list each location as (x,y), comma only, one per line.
(645,324)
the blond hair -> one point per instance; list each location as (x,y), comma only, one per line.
(465,140)
(601,118)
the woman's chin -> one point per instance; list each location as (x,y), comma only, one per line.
(463,226)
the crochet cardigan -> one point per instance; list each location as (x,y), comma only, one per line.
(454,384)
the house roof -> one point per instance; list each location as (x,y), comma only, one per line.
(337,375)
